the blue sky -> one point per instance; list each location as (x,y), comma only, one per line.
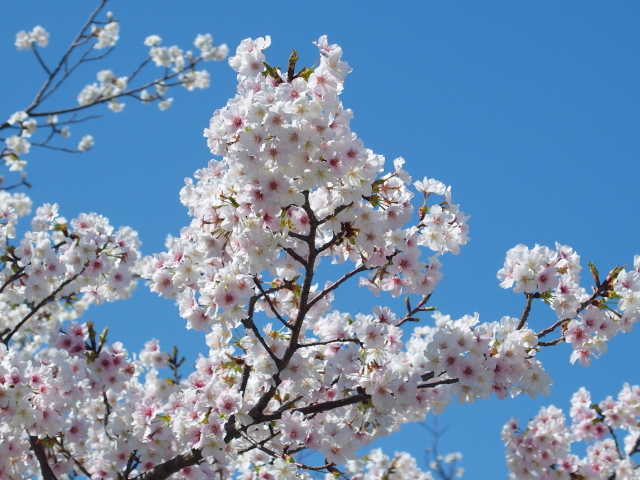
(530,110)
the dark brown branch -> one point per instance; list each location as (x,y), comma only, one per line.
(68,71)
(270,302)
(137,70)
(12,278)
(333,214)
(551,342)
(38,450)
(127,93)
(261,442)
(447,381)
(59,149)
(292,253)
(319,407)
(527,310)
(286,405)
(68,456)
(246,372)
(259,446)
(40,61)
(299,236)
(337,283)
(258,408)
(409,317)
(164,470)
(132,464)
(78,120)
(249,325)
(105,421)
(335,240)
(318,468)
(327,342)
(23,181)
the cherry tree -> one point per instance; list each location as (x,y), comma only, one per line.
(286,373)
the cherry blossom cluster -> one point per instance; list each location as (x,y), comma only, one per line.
(57,269)
(378,466)
(180,68)
(484,358)
(106,35)
(109,86)
(542,450)
(292,168)
(587,322)
(25,40)
(13,206)
(82,401)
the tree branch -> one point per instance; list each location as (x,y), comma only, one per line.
(606,285)
(164,470)
(65,56)
(527,310)
(38,450)
(42,303)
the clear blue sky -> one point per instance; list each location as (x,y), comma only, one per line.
(530,110)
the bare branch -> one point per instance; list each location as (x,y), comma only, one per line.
(409,317)
(259,446)
(337,283)
(39,58)
(105,400)
(127,93)
(292,253)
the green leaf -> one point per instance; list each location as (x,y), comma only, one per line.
(306,73)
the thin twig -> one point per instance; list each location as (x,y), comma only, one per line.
(65,56)
(39,58)
(42,303)
(327,342)
(337,283)
(270,302)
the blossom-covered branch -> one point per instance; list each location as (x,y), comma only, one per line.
(543,449)
(95,40)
